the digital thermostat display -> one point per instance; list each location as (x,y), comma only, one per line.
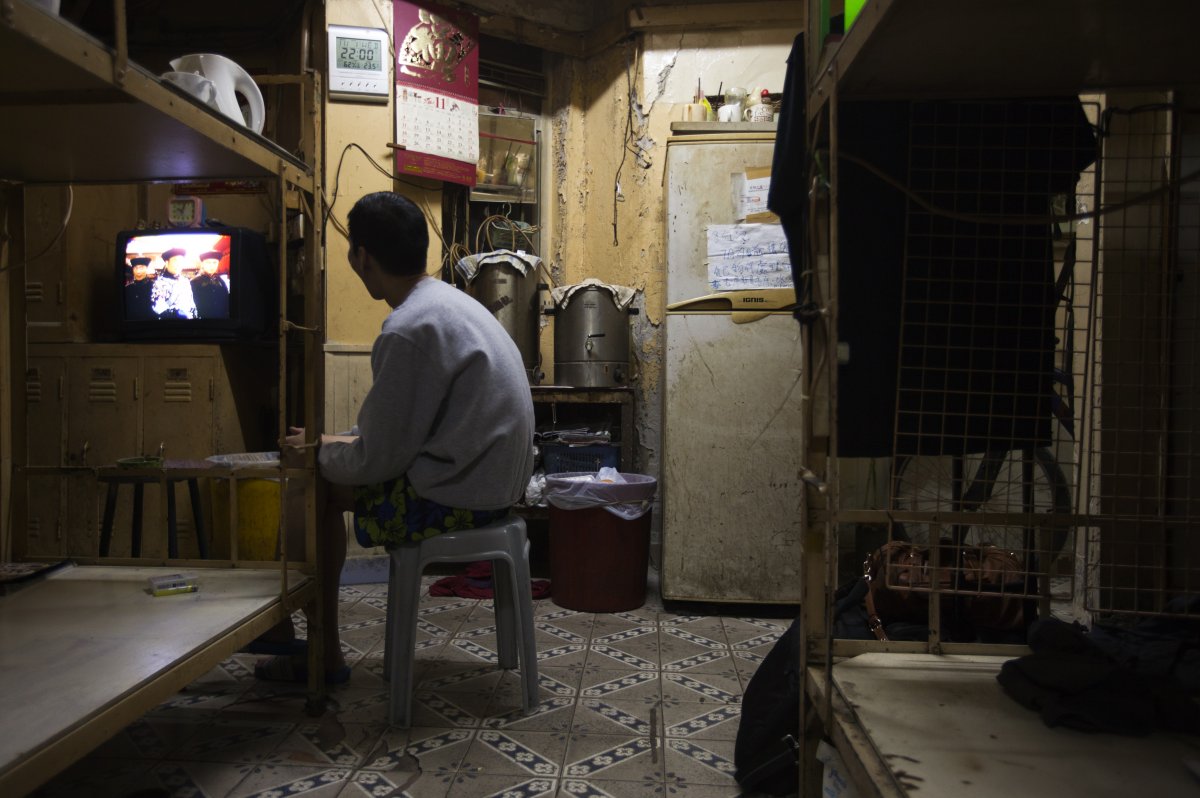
(359,54)
(359,66)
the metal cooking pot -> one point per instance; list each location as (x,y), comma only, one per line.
(591,340)
(512,297)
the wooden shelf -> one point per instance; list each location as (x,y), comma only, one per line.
(1019,48)
(685,128)
(619,398)
(73,113)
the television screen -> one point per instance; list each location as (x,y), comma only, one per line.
(177,276)
(193,284)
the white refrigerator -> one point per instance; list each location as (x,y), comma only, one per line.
(730,484)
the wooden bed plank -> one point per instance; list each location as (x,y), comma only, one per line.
(944,728)
(88,650)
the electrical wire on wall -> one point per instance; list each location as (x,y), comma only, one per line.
(62,228)
(627,139)
(516,230)
(421,202)
(453,212)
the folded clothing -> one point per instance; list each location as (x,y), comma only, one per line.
(1071,682)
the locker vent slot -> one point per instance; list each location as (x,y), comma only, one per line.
(177,392)
(35,291)
(33,389)
(102,391)
(34,527)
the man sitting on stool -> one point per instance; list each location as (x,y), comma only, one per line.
(444,439)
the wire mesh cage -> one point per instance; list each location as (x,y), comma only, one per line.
(1046,368)
(993,334)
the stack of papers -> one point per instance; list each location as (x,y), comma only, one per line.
(573,437)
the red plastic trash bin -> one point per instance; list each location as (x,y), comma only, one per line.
(599,541)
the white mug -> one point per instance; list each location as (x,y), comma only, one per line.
(730,113)
(762,112)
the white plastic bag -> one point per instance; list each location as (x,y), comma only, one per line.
(626,496)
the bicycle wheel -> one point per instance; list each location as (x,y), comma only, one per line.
(1001,481)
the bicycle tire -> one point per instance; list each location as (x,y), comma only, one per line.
(990,484)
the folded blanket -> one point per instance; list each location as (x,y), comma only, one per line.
(1073,683)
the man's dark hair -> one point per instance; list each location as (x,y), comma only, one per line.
(392,228)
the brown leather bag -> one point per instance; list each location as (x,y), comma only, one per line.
(989,589)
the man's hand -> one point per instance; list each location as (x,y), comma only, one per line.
(293,448)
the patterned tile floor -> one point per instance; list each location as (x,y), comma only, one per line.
(633,704)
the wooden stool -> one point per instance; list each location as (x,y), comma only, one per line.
(116,477)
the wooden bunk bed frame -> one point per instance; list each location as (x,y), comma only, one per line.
(929,718)
(88,649)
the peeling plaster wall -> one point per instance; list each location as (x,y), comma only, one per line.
(751,58)
(609,120)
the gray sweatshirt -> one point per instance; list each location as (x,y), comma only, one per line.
(450,406)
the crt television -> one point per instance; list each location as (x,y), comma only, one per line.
(203,284)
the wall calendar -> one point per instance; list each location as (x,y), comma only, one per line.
(437,92)
(438,124)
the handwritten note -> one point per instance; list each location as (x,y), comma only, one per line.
(747,256)
(752,202)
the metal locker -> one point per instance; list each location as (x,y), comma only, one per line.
(177,410)
(178,416)
(43,515)
(45,408)
(81,515)
(102,410)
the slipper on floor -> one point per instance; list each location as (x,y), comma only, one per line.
(297,646)
(294,669)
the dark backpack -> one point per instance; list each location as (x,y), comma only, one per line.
(767,751)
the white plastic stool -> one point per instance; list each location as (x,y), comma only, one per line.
(505,545)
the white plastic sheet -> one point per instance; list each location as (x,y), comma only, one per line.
(626,496)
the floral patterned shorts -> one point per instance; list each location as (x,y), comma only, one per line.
(392,512)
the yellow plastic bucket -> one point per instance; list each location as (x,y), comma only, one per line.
(257,517)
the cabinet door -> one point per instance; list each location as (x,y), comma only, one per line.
(43,516)
(81,515)
(177,408)
(45,392)
(45,283)
(178,414)
(102,410)
(732,498)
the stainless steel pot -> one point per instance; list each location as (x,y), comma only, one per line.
(512,297)
(591,340)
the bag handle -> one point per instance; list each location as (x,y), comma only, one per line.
(873,621)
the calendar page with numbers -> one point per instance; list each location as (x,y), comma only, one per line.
(438,124)
(437,92)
